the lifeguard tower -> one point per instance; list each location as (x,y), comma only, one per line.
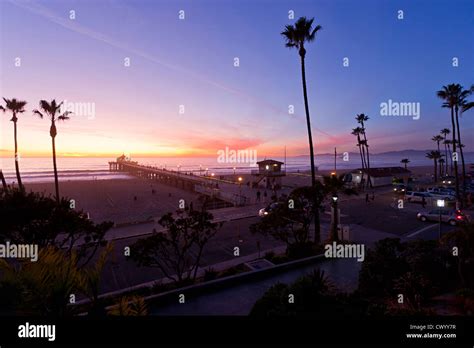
(268,175)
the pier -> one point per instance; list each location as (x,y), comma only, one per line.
(218,189)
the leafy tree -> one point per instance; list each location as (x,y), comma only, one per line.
(32,218)
(178,250)
(314,297)
(463,240)
(290,221)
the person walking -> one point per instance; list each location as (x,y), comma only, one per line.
(366,198)
(423,202)
(258,195)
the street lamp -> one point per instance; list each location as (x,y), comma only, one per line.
(179,166)
(234,170)
(335,216)
(440,204)
(240,189)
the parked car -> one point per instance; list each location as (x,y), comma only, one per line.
(442,190)
(268,209)
(452,217)
(445,196)
(441,193)
(416,197)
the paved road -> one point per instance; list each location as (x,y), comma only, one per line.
(121,272)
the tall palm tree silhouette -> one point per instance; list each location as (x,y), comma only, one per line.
(361,118)
(462,104)
(435,155)
(15,107)
(444,132)
(405,161)
(53,111)
(437,139)
(449,96)
(357,132)
(296,36)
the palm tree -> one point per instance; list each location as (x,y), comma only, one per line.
(449,95)
(357,132)
(448,144)
(405,161)
(441,163)
(463,104)
(296,36)
(361,118)
(15,107)
(53,111)
(333,185)
(445,132)
(437,139)
(434,155)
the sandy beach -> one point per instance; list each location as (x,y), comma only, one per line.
(114,199)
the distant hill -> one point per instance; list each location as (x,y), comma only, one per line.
(401,153)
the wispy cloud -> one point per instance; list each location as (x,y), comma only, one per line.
(45,12)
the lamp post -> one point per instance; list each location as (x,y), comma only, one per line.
(335,216)
(240,189)
(440,203)
(179,167)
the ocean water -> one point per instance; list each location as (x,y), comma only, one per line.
(81,168)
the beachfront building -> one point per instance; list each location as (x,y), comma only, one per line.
(268,175)
(382,176)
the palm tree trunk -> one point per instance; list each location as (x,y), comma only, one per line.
(361,157)
(4,183)
(455,163)
(334,237)
(462,157)
(450,160)
(446,155)
(435,171)
(317,231)
(439,167)
(56,183)
(369,182)
(17,165)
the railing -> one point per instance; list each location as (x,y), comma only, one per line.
(268,173)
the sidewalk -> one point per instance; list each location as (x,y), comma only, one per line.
(220,215)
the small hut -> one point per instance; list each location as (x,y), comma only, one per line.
(268,175)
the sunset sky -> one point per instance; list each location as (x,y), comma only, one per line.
(190,62)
